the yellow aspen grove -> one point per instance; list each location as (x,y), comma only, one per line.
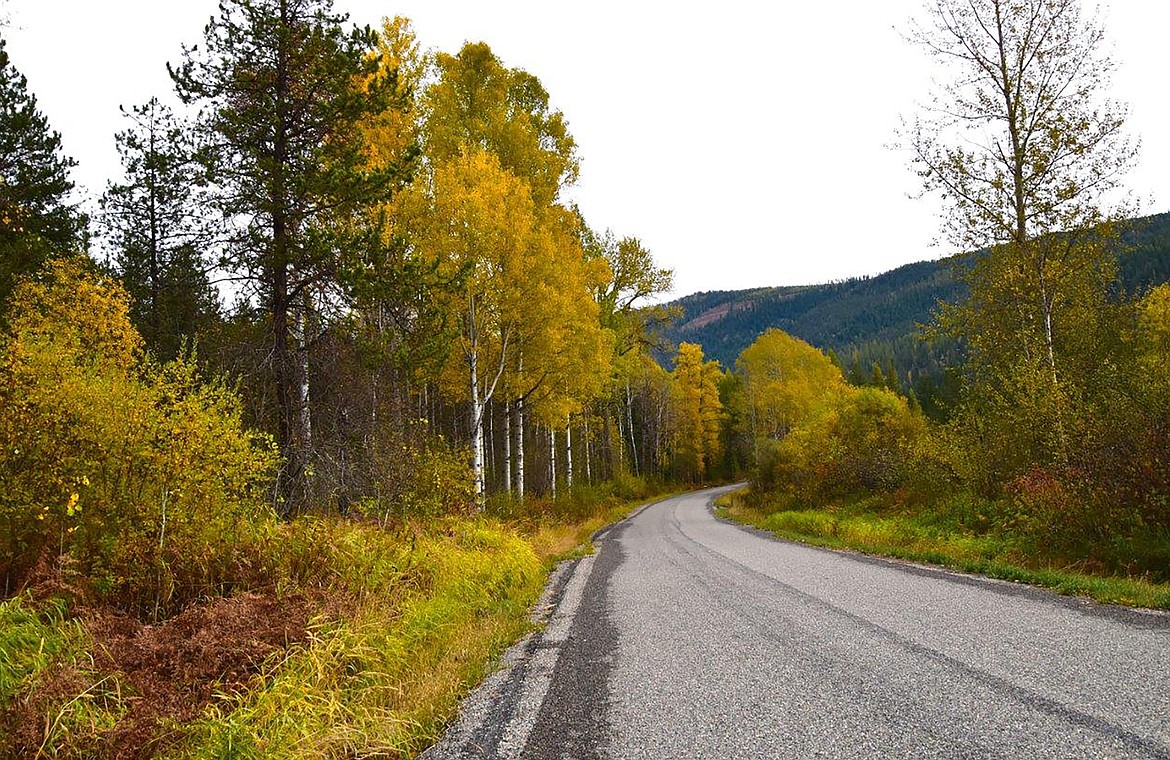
(785,381)
(567,353)
(474,222)
(478,102)
(698,412)
(556,354)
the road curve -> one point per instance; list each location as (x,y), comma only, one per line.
(689,637)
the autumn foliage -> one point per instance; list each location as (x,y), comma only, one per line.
(812,436)
(133,474)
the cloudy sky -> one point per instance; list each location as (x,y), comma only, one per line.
(745,143)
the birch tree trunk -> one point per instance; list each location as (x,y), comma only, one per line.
(569,456)
(304,419)
(520,448)
(552,462)
(476,423)
(630,427)
(489,443)
(588,454)
(508,447)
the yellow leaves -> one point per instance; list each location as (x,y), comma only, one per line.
(387,137)
(86,315)
(786,381)
(475,218)
(90,436)
(698,410)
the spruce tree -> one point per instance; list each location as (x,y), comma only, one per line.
(36,219)
(282,89)
(156,225)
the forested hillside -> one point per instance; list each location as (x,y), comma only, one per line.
(875,320)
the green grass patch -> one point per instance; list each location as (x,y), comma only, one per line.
(31,641)
(945,538)
(45,654)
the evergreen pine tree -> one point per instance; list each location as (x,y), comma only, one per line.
(156,225)
(36,220)
(282,89)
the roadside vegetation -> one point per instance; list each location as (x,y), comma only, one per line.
(157,602)
(1050,464)
(862,468)
(304,523)
(931,536)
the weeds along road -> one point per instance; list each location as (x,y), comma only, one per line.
(688,637)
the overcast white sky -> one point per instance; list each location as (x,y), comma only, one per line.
(744,142)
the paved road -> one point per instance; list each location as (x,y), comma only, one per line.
(688,637)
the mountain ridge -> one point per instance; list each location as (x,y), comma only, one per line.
(849,314)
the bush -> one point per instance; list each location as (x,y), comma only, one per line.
(145,477)
(401,474)
(1061,515)
(866,441)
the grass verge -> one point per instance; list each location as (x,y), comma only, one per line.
(395,627)
(382,677)
(916,538)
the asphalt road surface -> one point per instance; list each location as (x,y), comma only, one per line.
(685,636)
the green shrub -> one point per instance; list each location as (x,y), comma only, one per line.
(1060,514)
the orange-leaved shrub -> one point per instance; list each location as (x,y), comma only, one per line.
(139,475)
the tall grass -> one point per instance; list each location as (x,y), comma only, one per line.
(382,678)
(43,652)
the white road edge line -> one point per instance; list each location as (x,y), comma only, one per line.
(538,654)
(542,663)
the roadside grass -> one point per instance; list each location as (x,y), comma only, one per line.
(381,676)
(554,541)
(938,539)
(406,621)
(384,679)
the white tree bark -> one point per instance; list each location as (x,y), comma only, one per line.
(489,442)
(476,423)
(569,455)
(481,394)
(508,447)
(552,462)
(588,454)
(520,440)
(304,408)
